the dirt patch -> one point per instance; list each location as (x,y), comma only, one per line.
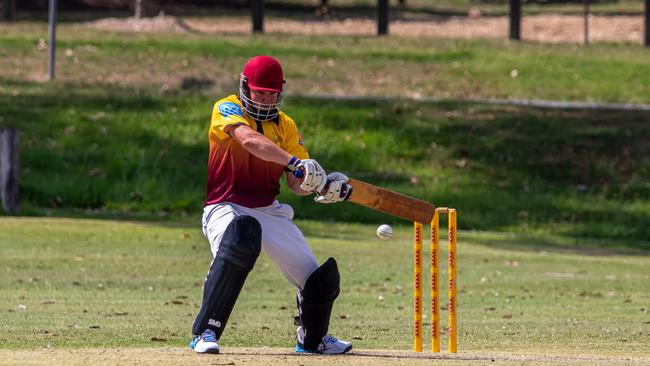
(159,24)
(540,28)
(282,356)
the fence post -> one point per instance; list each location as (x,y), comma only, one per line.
(138,9)
(515,19)
(9,10)
(257,9)
(51,44)
(647,23)
(585,14)
(382,19)
(9,170)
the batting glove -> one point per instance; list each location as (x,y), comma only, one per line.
(336,190)
(314,177)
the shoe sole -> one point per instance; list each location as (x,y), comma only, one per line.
(208,351)
(302,351)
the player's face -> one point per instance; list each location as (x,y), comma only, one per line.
(265,97)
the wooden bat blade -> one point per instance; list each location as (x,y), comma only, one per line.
(390,202)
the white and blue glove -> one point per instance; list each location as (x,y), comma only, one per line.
(336,190)
(313,175)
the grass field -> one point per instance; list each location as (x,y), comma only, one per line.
(553,204)
(96,284)
(369,66)
(125,125)
(121,152)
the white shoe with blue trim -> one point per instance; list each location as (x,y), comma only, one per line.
(329,345)
(205,343)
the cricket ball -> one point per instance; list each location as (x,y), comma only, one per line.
(384,232)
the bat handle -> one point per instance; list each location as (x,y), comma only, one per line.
(348,194)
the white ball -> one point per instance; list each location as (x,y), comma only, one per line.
(384,232)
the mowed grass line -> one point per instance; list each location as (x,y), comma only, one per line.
(91,283)
(393,66)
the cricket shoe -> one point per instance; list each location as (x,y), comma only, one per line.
(329,345)
(205,343)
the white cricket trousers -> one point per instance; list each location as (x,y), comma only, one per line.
(281,238)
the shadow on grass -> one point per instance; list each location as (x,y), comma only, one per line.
(94,148)
(556,243)
(504,168)
(128,153)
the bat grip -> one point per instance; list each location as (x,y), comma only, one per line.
(348,194)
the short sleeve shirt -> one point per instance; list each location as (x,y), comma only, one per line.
(234,174)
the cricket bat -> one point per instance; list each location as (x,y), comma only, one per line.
(390,202)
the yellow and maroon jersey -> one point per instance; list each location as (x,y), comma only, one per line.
(234,174)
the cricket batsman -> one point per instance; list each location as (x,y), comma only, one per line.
(252,143)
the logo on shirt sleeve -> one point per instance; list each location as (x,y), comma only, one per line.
(302,143)
(228,109)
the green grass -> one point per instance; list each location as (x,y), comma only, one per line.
(123,131)
(98,283)
(123,152)
(389,66)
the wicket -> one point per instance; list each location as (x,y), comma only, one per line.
(435,282)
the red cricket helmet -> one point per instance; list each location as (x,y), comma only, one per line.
(261,73)
(264,73)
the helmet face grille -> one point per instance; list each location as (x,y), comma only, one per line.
(260,112)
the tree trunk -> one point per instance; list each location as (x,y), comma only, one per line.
(382,17)
(257,9)
(9,170)
(515,19)
(9,10)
